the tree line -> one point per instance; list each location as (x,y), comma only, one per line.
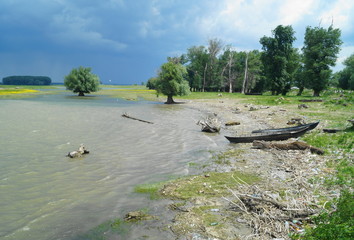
(278,67)
(26,80)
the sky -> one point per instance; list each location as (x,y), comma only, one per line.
(126,41)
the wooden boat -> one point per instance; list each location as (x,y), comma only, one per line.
(268,136)
(308,126)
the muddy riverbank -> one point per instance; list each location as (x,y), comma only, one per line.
(276,205)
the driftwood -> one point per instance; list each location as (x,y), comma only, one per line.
(296,145)
(210,124)
(298,121)
(249,202)
(331,130)
(137,119)
(300,106)
(81,151)
(311,100)
(232,123)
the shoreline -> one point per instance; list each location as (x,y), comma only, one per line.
(284,174)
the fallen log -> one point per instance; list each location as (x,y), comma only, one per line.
(296,145)
(311,100)
(331,130)
(232,123)
(137,119)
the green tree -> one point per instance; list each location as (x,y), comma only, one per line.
(278,59)
(227,69)
(320,50)
(81,80)
(253,80)
(211,79)
(151,83)
(171,81)
(197,62)
(346,76)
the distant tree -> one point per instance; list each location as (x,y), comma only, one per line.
(320,50)
(278,59)
(171,81)
(232,65)
(81,80)
(211,78)
(253,79)
(26,80)
(346,76)
(226,65)
(197,57)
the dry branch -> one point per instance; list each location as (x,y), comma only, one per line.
(210,124)
(137,119)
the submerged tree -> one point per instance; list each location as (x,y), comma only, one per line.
(320,50)
(171,81)
(81,80)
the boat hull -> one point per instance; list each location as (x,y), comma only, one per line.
(308,126)
(279,136)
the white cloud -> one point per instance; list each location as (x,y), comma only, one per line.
(292,11)
(341,13)
(345,52)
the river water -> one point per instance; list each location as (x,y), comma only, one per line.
(46,195)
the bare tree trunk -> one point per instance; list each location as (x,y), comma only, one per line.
(230,77)
(170,100)
(230,80)
(245,78)
(206,66)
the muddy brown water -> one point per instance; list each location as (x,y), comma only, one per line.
(46,195)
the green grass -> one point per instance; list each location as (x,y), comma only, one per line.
(104,230)
(224,157)
(341,141)
(134,93)
(214,185)
(334,225)
(151,189)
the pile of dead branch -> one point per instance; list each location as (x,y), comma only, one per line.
(270,216)
(272,213)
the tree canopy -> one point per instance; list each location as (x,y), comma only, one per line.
(346,76)
(321,47)
(171,81)
(277,68)
(81,80)
(279,59)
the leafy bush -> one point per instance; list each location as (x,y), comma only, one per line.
(336,225)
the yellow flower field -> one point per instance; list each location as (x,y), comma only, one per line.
(16,91)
